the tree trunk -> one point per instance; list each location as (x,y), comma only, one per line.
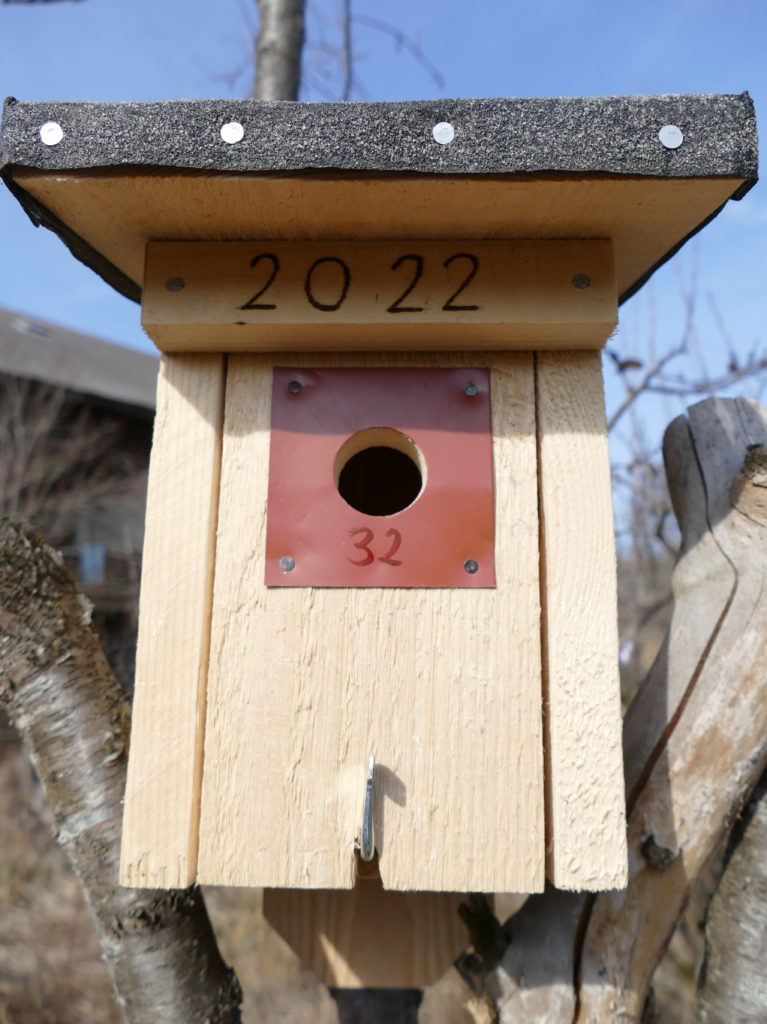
(733,985)
(278,49)
(74,718)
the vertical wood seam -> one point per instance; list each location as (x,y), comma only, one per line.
(545,724)
(202,679)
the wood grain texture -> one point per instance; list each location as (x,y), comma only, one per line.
(366,937)
(585,804)
(443,686)
(159,846)
(390,295)
(119,212)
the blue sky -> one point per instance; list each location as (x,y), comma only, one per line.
(166,49)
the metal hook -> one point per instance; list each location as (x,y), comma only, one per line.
(367,846)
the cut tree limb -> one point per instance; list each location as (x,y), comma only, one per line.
(278,49)
(733,986)
(694,739)
(74,718)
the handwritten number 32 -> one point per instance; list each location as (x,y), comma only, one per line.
(366,539)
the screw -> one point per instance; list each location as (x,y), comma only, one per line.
(470,389)
(471,566)
(295,387)
(580,281)
(287,564)
(232,132)
(671,136)
(443,133)
(51,133)
(175,284)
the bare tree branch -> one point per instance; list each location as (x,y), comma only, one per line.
(404,42)
(634,392)
(682,387)
(75,719)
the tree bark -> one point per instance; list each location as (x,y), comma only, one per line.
(695,741)
(278,49)
(733,983)
(74,718)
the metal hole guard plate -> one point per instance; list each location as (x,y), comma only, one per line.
(427,544)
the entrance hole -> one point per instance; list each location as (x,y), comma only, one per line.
(379,471)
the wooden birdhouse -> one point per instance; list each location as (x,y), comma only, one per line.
(378,603)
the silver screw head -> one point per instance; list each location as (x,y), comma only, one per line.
(470,389)
(471,566)
(287,564)
(671,136)
(443,133)
(580,281)
(51,133)
(232,132)
(295,387)
(175,284)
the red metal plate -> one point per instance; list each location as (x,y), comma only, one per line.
(441,419)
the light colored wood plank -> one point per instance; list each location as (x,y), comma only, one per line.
(160,827)
(366,937)
(442,685)
(270,295)
(585,804)
(119,212)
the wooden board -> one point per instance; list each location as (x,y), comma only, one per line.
(442,686)
(417,294)
(366,937)
(585,804)
(159,845)
(118,212)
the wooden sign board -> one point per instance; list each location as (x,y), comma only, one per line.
(274,295)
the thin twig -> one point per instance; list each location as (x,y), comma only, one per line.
(682,388)
(634,392)
(405,43)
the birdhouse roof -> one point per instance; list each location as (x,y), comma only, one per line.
(645,171)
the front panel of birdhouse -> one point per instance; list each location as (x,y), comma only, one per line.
(300,615)
(395,615)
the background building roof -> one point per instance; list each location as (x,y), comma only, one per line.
(35,349)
